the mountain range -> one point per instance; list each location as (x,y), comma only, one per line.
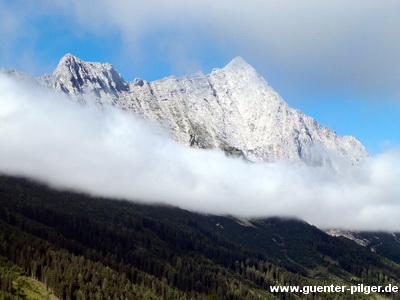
(233,109)
(77,247)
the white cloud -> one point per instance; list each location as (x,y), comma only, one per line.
(309,47)
(348,46)
(111,153)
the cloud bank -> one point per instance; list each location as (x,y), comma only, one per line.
(313,43)
(309,46)
(111,153)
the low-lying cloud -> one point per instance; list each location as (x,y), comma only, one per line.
(110,153)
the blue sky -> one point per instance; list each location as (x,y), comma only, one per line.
(337,61)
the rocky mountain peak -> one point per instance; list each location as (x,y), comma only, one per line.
(233,109)
(68,59)
(238,63)
(75,76)
(239,75)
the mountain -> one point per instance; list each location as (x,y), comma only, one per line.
(72,246)
(386,244)
(233,109)
(76,77)
(92,248)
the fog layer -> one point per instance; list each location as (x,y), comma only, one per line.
(111,153)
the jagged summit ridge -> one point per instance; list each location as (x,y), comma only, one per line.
(75,77)
(232,108)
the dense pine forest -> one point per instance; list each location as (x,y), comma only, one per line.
(65,245)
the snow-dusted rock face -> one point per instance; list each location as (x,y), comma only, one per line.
(233,109)
(351,235)
(76,77)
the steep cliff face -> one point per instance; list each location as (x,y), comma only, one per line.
(76,77)
(233,109)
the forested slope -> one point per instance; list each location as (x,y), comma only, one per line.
(82,247)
